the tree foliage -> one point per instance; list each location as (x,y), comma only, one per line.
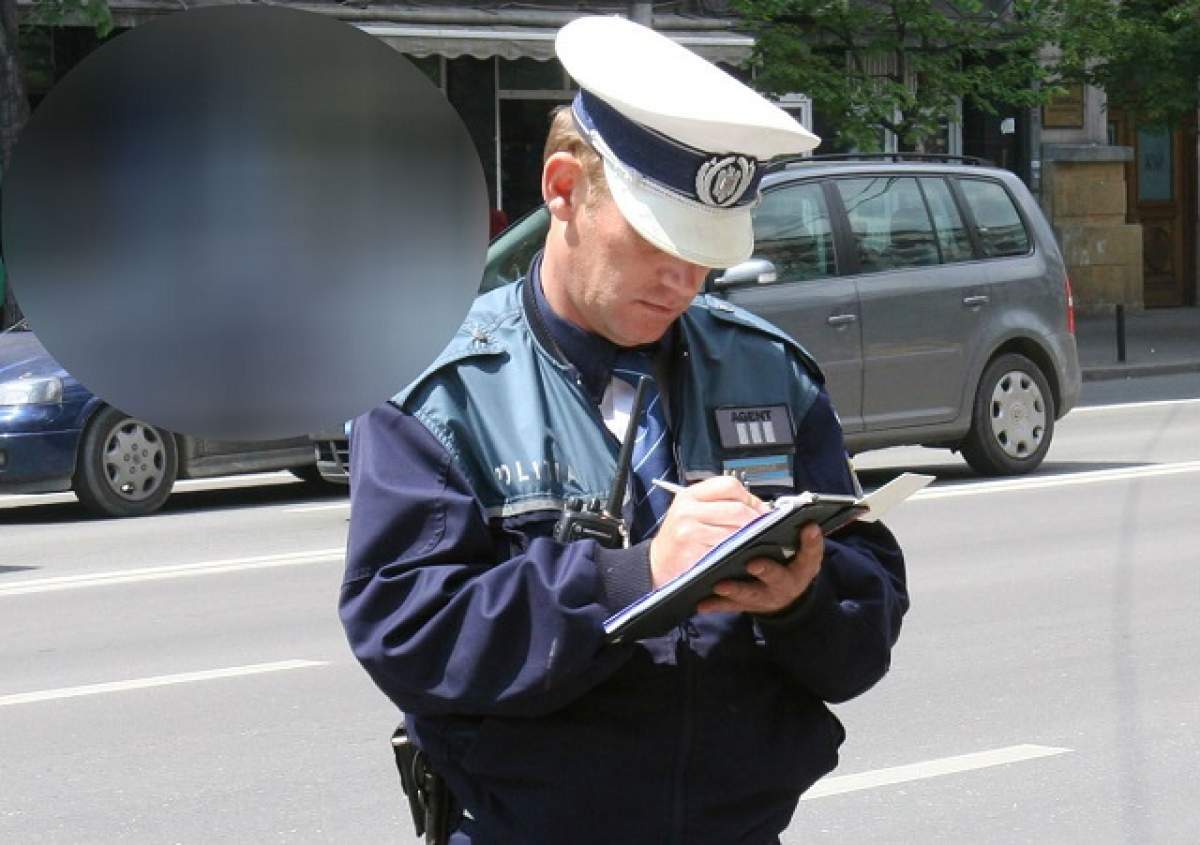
(1144,53)
(91,13)
(15,33)
(903,65)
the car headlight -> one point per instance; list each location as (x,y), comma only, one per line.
(31,391)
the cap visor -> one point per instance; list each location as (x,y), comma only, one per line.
(719,237)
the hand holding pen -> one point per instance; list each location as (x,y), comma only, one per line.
(703,515)
(700,516)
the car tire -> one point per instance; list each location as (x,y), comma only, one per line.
(125,467)
(1012,420)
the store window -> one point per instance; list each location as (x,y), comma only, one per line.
(530,75)
(433,67)
(527,93)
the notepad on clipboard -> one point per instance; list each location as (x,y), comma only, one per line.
(773,535)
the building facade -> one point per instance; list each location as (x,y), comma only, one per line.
(1122,197)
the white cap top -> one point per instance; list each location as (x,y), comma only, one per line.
(682,141)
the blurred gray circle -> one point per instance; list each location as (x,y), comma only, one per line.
(245,222)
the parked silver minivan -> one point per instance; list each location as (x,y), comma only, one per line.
(932,294)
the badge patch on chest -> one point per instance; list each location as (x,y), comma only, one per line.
(761,470)
(761,427)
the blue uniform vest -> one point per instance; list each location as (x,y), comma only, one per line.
(524,432)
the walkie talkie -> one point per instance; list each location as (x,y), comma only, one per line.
(600,521)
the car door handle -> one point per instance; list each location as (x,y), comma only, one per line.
(975,301)
(842,319)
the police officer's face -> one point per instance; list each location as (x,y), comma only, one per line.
(623,287)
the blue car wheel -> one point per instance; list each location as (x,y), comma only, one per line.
(126,467)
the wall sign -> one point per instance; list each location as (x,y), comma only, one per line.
(1066,110)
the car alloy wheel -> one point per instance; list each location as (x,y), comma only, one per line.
(125,467)
(134,460)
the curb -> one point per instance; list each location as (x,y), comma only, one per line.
(1119,371)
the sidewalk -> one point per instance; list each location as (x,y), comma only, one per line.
(1157,342)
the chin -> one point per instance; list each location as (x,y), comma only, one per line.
(643,333)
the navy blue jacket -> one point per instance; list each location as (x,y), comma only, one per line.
(488,634)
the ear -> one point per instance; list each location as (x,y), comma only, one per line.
(563,185)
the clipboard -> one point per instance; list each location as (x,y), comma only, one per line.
(772,535)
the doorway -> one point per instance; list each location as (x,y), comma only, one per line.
(1161,197)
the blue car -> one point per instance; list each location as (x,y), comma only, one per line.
(55,435)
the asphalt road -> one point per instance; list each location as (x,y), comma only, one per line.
(183,677)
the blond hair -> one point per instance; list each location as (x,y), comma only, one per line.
(564,137)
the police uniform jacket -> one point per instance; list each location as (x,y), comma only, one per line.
(488,634)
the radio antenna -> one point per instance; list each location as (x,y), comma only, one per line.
(625,457)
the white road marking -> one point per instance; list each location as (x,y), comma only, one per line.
(311,508)
(217,482)
(156,681)
(1127,406)
(930,769)
(978,488)
(15,499)
(1012,485)
(159,573)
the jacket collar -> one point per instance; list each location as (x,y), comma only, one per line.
(589,355)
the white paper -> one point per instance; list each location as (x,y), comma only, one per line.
(893,493)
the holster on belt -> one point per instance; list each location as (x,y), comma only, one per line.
(435,812)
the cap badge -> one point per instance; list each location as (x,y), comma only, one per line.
(722,180)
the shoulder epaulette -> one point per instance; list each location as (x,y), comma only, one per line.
(730,313)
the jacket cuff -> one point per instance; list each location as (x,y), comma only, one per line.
(625,573)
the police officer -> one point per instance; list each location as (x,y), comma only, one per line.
(486,630)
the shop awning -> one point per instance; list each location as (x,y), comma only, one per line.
(513,42)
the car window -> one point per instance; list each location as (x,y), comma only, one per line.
(1001,231)
(947,222)
(792,231)
(889,223)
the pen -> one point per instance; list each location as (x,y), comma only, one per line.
(673,489)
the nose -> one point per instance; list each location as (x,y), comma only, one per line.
(683,277)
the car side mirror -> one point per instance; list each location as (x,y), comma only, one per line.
(758,271)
